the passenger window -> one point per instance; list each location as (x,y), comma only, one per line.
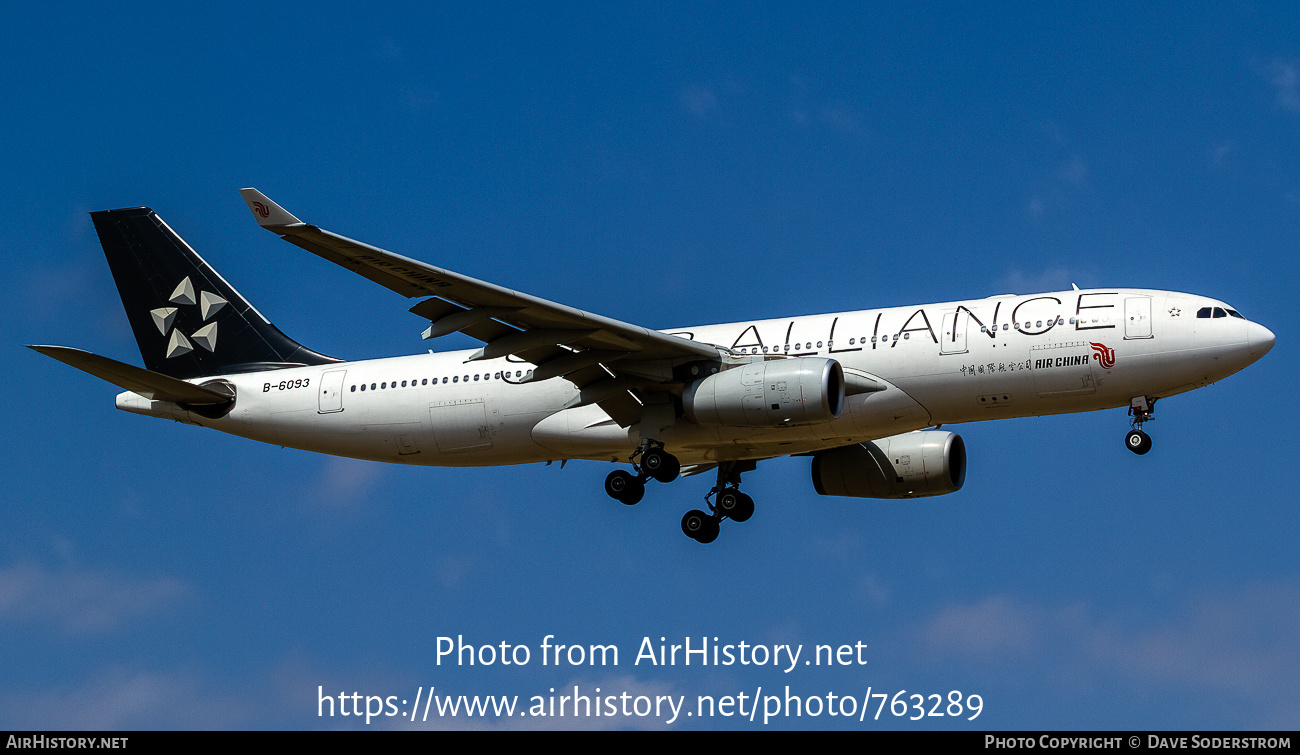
(456,379)
(354,389)
(476,378)
(372,386)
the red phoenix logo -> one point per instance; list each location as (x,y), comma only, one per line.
(1105,355)
(262,212)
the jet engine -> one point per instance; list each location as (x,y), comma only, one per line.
(911,465)
(775,393)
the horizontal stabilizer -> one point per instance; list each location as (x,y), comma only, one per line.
(152,385)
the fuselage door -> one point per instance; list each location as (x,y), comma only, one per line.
(1137,317)
(331,391)
(953,338)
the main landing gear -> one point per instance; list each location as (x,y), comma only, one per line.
(724,500)
(729,503)
(1141,411)
(656,463)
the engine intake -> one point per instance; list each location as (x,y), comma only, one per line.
(774,393)
(911,465)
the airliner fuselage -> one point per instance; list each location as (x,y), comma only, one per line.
(941,364)
(854,390)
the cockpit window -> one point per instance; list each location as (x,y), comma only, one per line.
(1218,312)
(1236,314)
(1203,313)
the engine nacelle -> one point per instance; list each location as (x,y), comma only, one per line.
(774,393)
(911,465)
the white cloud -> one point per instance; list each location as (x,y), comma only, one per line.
(1017,281)
(1074,172)
(992,627)
(120,699)
(81,601)
(388,48)
(842,118)
(699,100)
(1239,642)
(1222,152)
(873,590)
(1243,641)
(1285,78)
(346,483)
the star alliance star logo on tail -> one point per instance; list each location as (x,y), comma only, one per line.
(164,317)
(1105,355)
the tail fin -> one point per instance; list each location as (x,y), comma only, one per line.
(188,321)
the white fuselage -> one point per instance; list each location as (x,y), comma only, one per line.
(1001,357)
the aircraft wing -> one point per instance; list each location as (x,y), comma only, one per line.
(588,349)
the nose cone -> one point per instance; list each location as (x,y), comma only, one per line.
(1259,339)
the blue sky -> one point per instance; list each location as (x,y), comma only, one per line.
(665,164)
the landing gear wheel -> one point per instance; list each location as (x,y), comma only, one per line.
(735,505)
(700,527)
(623,487)
(1138,442)
(660,465)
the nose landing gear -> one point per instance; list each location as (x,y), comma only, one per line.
(1141,411)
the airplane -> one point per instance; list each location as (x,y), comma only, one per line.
(865,393)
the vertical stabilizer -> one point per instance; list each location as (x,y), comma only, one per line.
(188,321)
